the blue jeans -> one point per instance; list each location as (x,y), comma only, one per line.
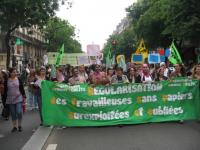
(32,100)
(16,111)
(38,97)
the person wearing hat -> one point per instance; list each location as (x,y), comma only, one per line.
(166,70)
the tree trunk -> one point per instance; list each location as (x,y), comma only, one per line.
(8,47)
(7,41)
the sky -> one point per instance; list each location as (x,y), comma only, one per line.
(94,20)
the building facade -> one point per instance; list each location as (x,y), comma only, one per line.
(125,22)
(29,52)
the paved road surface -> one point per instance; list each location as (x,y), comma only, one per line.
(15,141)
(154,136)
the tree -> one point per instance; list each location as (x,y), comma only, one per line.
(24,13)
(183,21)
(59,32)
(165,20)
(158,22)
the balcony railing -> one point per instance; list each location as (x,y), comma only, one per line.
(28,39)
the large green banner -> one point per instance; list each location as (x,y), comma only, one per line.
(84,105)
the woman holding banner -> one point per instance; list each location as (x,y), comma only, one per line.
(133,76)
(110,73)
(59,75)
(178,72)
(82,72)
(119,77)
(160,74)
(146,76)
(98,77)
(196,72)
(76,78)
(41,76)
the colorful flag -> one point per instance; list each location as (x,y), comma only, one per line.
(60,56)
(142,49)
(174,57)
(167,52)
(161,52)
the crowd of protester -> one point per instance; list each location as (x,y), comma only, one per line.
(13,93)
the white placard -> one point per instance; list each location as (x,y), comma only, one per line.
(93,50)
(83,60)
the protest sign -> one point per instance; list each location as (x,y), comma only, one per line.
(84,105)
(154,58)
(68,58)
(119,58)
(83,60)
(162,58)
(137,58)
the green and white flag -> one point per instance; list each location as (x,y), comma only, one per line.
(60,56)
(174,56)
(53,72)
(122,64)
(113,60)
(108,60)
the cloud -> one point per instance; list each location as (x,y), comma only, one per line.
(95,19)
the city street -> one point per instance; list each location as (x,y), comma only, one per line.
(100,75)
(15,141)
(153,136)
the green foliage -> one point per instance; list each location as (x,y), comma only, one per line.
(25,13)
(159,22)
(59,31)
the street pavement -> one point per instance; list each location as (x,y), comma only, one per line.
(152,136)
(16,140)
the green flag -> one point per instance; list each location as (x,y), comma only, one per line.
(53,72)
(108,60)
(122,64)
(174,57)
(59,56)
(113,60)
